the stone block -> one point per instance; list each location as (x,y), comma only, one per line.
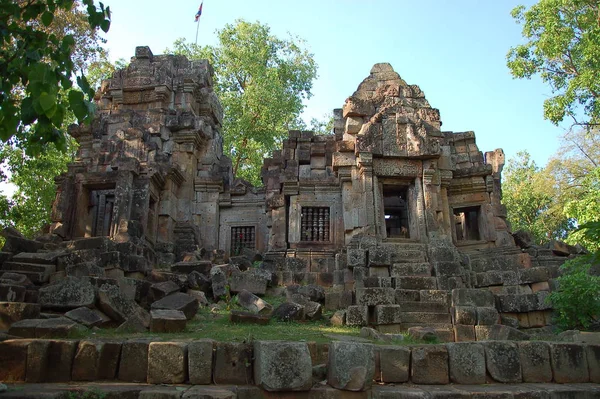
(356,258)
(243,317)
(251,282)
(178,301)
(464,333)
(96,360)
(357,315)
(133,365)
(472,297)
(167,362)
(11,312)
(200,361)
(498,332)
(394,363)
(288,311)
(375,296)
(13,358)
(233,363)
(487,316)
(66,294)
(429,365)
(569,363)
(85,316)
(12,293)
(388,314)
(351,365)
(503,361)
(466,315)
(118,307)
(535,361)
(253,303)
(217,393)
(60,360)
(161,290)
(592,353)
(407,295)
(282,366)
(167,321)
(467,363)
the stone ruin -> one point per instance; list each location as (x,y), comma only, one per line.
(391,221)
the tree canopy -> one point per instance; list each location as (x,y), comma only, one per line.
(38,62)
(262,81)
(563,48)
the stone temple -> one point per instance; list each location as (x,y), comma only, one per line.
(397,221)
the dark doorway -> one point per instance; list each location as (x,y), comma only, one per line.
(466,221)
(395,208)
(101,209)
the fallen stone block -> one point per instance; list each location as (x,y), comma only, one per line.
(248,281)
(15,278)
(161,290)
(200,361)
(69,293)
(118,307)
(60,327)
(288,311)
(238,316)
(430,365)
(199,295)
(200,266)
(12,293)
(282,366)
(503,361)
(199,281)
(467,363)
(11,312)
(569,363)
(338,318)
(178,301)
(253,303)
(167,321)
(351,366)
(219,283)
(167,362)
(313,310)
(233,363)
(85,316)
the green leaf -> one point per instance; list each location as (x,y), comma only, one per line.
(105,25)
(77,104)
(28,114)
(47,102)
(47,18)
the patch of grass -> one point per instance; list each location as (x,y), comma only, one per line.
(93,393)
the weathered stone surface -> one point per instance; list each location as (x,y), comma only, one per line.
(472,297)
(535,361)
(466,315)
(200,361)
(253,303)
(429,365)
(467,363)
(133,365)
(85,316)
(503,361)
(167,321)
(12,293)
(219,283)
(161,290)
(59,327)
(96,360)
(233,363)
(313,310)
(338,318)
(66,294)
(487,316)
(394,363)
(210,393)
(178,301)
(592,353)
(120,308)
(569,363)
(248,281)
(13,358)
(11,312)
(288,311)
(167,362)
(60,360)
(351,365)
(499,332)
(282,366)
(357,315)
(239,316)
(375,296)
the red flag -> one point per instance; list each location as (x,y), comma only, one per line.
(199,13)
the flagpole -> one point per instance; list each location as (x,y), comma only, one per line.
(197,29)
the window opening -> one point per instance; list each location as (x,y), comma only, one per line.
(314,224)
(242,237)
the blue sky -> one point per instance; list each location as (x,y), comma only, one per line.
(455,50)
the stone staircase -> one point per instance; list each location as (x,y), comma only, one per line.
(36,266)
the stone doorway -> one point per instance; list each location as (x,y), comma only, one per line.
(396,211)
(102,204)
(466,223)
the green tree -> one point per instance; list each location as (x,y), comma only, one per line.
(261,81)
(37,65)
(532,200)
(563,48)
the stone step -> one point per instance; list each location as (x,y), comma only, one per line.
(425,318)
(424,307)
(202,266)
(47,258)
(34,277)
(410,269)
(407,256)
(416,283)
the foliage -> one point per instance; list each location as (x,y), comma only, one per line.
(261,81)
(577,301)
(37,63)
(101,69)
(29,208)
(563,48)
(532,200)
(93,393)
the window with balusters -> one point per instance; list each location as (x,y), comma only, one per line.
(314,224)
(242,237)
